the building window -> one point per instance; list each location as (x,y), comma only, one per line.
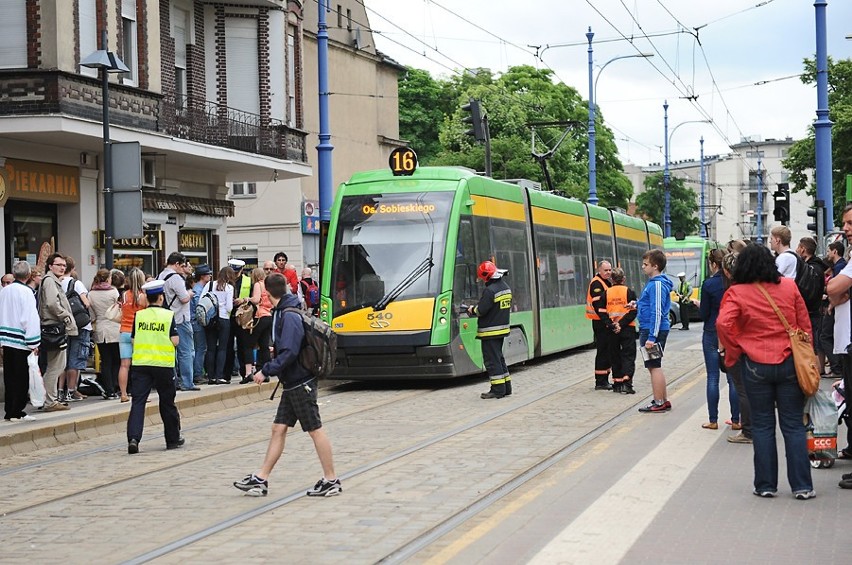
(88,33)
(244,189)
(180,27)
(754,154)
(291,81)
(13,35)
(130,45)
(349,19)
(339,16)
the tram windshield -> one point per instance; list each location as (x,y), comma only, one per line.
(388,247)
(685,260)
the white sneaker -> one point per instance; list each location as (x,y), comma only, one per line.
(29,418)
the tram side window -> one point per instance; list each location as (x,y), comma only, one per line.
(510,245)
(630,259)
(548,267)
(602,247)
(464,276)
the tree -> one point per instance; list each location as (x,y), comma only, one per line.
(682,206)
(802,154)
(423,103)
(520,96)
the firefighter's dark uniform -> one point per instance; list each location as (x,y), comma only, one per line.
(597,289)
(622,344)
(153,367)
(493,313)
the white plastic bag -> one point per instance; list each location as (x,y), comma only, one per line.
(36,382)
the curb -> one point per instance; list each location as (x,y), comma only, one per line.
(113,419)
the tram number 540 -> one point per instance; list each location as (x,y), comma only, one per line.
(402,161)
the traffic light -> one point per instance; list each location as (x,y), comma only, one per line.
(782,203)
(474,119)
(818,214)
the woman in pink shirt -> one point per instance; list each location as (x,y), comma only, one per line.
(751,331)
(260,334)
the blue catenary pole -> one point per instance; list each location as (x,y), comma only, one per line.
(822,125)
(667,218)
(593,181)
(759,201)
(325,147)
(701,206)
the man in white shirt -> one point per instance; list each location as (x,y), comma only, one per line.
(177,299)
(838,295)
(786,260)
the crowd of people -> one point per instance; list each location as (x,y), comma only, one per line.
(748,301)
(102,316)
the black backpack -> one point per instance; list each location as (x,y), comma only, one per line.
(811,284)
(320,346)
(78,309)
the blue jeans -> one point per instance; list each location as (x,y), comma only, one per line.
(200,337)
(185,354)
(710,344)
(768,386)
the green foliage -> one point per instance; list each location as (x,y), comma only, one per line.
(682,205)
(432,119)
(802,154)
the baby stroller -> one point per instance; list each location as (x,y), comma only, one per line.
(823,411)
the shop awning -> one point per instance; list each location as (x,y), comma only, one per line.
(179,203)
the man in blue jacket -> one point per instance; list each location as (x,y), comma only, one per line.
(653,308)
(299,400)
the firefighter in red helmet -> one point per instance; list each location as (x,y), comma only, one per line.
(493,313)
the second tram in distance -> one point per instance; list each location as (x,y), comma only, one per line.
(402,254)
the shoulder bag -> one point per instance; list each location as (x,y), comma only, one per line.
(803,351)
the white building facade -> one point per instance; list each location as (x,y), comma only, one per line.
(731,189)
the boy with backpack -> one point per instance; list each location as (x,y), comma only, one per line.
(299,400)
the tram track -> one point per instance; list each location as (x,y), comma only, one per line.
(470,510)
(417,544)
(28,468)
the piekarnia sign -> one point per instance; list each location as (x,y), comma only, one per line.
(44,182)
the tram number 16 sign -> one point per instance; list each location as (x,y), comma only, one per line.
(403,161)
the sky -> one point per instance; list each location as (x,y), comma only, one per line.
(742,68)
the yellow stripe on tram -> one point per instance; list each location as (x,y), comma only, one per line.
(545,217)
(494,208)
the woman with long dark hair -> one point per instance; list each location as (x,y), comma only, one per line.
(712,291)
(751,331)
(217,333)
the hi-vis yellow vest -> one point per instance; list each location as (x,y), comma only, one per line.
(152,346)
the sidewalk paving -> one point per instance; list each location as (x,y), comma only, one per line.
(95,416)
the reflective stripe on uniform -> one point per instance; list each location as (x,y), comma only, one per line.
(493,331)
(152,344)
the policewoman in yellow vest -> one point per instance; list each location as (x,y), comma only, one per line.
(619,302)
(155,338)
(493,311)
(242,292)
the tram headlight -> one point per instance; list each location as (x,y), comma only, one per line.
(442,321)
(443,310)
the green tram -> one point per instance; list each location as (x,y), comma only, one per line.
(401,259)
(689,255)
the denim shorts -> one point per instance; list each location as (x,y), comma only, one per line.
(300,403)
(125,346)
(79,347)
(661,339)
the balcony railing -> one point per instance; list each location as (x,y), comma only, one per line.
(40,92)
(214,124)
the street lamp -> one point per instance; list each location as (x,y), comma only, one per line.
(593,87)
(107,62)
(667,217)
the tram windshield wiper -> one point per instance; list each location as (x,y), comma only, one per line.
(424,267)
